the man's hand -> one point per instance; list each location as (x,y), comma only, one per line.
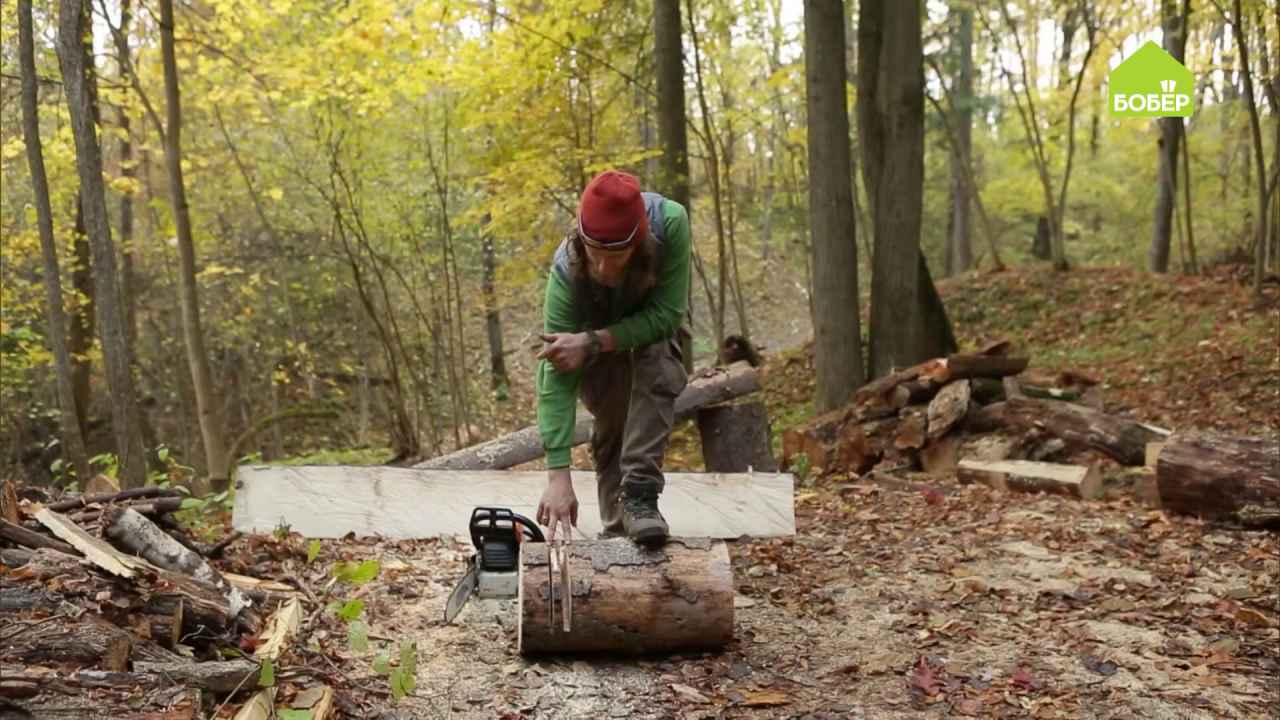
(559,505)
(565,351)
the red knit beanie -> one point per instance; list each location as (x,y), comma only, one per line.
(611,214)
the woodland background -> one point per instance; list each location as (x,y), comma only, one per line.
(373,192)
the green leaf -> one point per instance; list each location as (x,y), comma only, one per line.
(268,676)
(163,454)
(397,686)
(382,664)
(191,504)
(358,636)
(313,551)
(365,572)
(295,715)
(409,657)
(351,611)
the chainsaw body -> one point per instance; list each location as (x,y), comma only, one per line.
(493,571)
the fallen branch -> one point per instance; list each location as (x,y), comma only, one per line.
(134,493)
(711,386)
(19,535)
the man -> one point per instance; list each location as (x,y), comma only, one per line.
(615,303)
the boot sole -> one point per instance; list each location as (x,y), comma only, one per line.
(650,536)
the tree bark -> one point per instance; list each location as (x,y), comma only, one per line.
(77,77)
(1221,477)
(960,241)
(73,444)
(736,438)
(212,430)
(525,445)
(1174,28)
(668,54)
(833,237)
(91,642)
(627,599)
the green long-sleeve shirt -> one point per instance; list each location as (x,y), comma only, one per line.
(654,316)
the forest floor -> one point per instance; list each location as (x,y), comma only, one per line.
(953,601)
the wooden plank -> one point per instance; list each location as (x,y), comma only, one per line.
(97,551)
(1082,481)
(330,501)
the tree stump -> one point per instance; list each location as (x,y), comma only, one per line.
(1221,477)
(628,599)
(736,437)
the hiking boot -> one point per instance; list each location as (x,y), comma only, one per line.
(642,520)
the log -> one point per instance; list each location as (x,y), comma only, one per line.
(19,535)
(1221,477)
(861,445)
(1082,481)
(941,455)
(628,599)
(331,501)
(881,387)
(131,531)
(958,367)
(1123,439)
(911,431)
(218,676)
(985,418)
(147,506)
(948,407)
(91,642)
(710,386)
(81,501)
(736,437)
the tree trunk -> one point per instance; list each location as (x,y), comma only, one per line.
(736,438)
(492,320)
(908,322)
(74,31)
(1221,477)
(1173,24)
(833,238)
(668,54)
(960,241)
(212,430)
(1242,46)
(83,325)
(627,599)
(73,445)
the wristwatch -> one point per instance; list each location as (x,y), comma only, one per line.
(593,344)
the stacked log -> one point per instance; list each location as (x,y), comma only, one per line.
(104,598)
(975,408)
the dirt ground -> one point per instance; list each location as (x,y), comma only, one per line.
(942,602)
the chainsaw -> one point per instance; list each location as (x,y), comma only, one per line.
(493,571)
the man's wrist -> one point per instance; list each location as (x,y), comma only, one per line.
(595,344)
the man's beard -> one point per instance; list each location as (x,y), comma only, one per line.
(611,281)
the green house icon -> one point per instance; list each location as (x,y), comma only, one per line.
(1151,84)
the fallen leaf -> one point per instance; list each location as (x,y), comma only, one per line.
(924,679)
(968,706)
(1023,680)
(742,601)
(689,694)
(767,698)
(1249,616)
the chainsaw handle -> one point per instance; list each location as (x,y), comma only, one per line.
(488,518)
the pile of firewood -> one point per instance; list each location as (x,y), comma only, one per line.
(984,418)
(103,607)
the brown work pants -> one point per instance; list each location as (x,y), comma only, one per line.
(632,396)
